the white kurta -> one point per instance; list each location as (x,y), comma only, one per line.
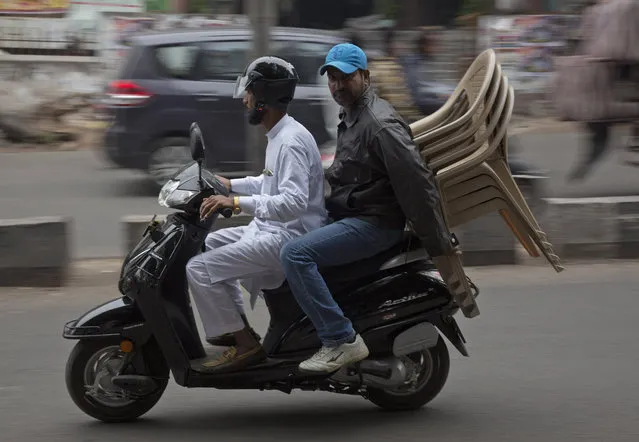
(287,201)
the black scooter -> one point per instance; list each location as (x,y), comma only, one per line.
(397,301)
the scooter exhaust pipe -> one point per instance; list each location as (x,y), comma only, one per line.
(377,373)
(384,373)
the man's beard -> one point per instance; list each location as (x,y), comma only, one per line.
(255,117)
(346,98)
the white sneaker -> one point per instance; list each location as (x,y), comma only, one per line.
(328,359)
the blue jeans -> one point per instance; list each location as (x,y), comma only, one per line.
(339,243)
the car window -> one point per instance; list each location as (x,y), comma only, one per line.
(307,57)
(223,60)
(177,61)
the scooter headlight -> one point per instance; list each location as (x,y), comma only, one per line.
(170,196)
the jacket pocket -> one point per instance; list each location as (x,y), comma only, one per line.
(352,171)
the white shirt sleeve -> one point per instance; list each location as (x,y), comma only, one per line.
(247,186)
(293,172)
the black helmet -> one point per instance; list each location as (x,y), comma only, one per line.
(272,81)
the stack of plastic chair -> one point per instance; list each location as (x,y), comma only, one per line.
(459,117)
(465,144)
(481,183)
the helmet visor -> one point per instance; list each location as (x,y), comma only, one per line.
(240,86)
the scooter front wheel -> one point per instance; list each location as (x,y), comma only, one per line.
(90,368)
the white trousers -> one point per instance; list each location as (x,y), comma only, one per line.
(237,254)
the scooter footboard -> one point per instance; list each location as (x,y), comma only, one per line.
(118,317)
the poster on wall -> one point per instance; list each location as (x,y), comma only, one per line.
(31,7)
(526,45)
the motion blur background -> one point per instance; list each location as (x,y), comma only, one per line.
(96,97)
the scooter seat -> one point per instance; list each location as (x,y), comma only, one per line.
(339,276)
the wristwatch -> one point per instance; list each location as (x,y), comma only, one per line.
(236,205)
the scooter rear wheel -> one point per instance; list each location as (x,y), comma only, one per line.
(427,376)
(90,367)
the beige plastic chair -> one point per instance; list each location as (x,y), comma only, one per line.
(457,114)
(490,141)
(465,144)
(469,183)
(487,130)
(447,137)
(465,99)
(495,152)
(482,183)
(484,151)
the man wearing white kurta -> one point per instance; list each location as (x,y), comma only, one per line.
(286,200)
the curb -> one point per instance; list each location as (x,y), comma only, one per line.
(35,252)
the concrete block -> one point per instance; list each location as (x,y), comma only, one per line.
(487,241)
(583,228)
(133,227)
(628,226)
(34,252)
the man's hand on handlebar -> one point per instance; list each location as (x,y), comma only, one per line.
(225,181)
(214,203)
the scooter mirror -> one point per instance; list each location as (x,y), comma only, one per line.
(196,143)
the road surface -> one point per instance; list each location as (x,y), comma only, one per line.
(80,185)
(553,358)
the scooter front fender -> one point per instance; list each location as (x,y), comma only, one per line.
(118,317)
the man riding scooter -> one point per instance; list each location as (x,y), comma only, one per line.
(377,181)
(286,201)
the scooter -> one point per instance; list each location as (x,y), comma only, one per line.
(126,348)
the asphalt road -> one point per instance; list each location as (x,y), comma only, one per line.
(553,358)
(80,185)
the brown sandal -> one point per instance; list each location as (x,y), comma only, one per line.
(231,360)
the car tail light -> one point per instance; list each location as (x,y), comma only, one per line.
(126,93)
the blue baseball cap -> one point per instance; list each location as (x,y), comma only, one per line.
(346,57)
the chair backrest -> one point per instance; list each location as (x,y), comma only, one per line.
(484,151)
(484,132)
(467,95)
(466,127)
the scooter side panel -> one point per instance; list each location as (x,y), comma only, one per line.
(395,296)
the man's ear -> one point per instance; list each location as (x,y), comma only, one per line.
(367,76)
